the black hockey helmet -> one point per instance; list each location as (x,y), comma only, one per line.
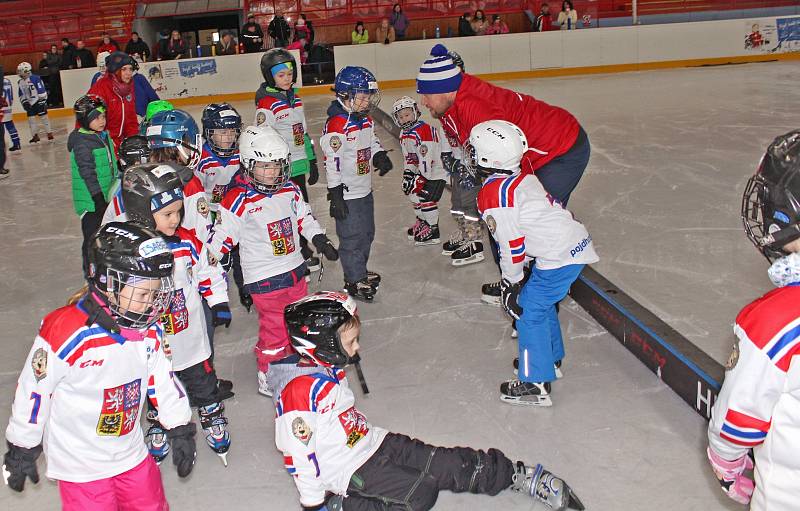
(313,324)
(274,57)
(126,255)
(133,151)
(457,60)
(771,201)
(87,108)
(221,116)
(148,188)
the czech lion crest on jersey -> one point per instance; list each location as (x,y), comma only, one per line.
(363,157)
(281,235)
(298,134)
(120,412)
(176,319)
(355,426)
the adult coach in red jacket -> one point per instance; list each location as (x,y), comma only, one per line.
(116,89)
(559,148)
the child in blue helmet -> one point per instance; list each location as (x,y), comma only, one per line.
(352,150)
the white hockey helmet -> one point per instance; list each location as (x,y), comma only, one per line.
(402,104)
(24,69)
(101,60)
(262,144)
(495,147)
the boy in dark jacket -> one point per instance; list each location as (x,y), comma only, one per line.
(94,165)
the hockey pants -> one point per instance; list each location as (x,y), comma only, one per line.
(407,474)
(270,296)
(38,119)
(426,211)
(356,232)
(200,382)
(540,341)
(300,181)
(138,489)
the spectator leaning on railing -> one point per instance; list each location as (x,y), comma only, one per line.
(498,26)
(107,44)
(226,45)
(360,34)
(479,23)
(252,35)
(82,57)
(568,17)
(138,47)
(385,33)
(399,22)
(465,25)
(279,30)
(175,48)
(544,21)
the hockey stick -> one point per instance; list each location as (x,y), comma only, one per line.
(361,380)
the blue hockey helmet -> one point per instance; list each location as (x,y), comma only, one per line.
(175,128)
(221,116)
(353,80)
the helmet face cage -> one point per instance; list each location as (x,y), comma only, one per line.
(408,124)
(125,291)
(349,99)
(269,188)
(219,118)
(218,149)
(473,165)
(187,148)
(763,221)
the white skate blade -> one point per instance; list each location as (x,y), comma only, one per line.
(447,252)
(542,401)
(514,334)
(474,258)
(429,242)
(492,300)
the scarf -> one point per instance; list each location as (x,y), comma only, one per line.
(123,89)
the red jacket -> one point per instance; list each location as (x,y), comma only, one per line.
(121,121)
(551,131)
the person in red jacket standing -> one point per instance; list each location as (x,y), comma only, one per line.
(558,147)
(116,89)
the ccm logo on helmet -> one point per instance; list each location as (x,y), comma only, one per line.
(580,246)
(123,233)
(495,133)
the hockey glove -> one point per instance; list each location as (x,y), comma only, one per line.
(183,447)
(20,463)
(408,181)
(338,205)
(27,108)
(313,175)
(510,296)
(730,475)
(100,203)
(221,315)
(449,163)
(226,261)
(466,178)
(432,190)
(382,162)
(325,247)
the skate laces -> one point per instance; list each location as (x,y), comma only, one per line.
(455,237)
(423,230)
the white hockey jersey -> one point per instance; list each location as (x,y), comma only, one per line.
(349,144)
(527,222)
(453,146)
(196,210)
(267,229)
(81,393)
(31,90)
(758,406)
(289,120)
(323,437)
(215,172)
(422,152)
(8,93)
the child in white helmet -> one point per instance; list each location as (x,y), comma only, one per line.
(423,174)
(528,225)
(33,96)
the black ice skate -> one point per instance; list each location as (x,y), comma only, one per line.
(214,424)
(374,279)
(35,139)
(4,173)
(545,487)
(427,234)
(313,264)
(556,366)
(490,293)
(516,392)
(452,244)
(15,148)
(246,300)
(468,252)
(361,290)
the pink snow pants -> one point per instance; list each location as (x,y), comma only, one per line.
(273,339)
(138,489)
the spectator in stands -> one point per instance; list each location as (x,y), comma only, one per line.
(176,47)
(568,17)
(83,57)
(226,45)
(301,31)
(160,46)
(252,35)
(385,33)
(116,87)
(479,23)
(498,26)
(399,22)
(360,35)
(544,21)
(138,47)
(54,65)
(279,30)
(107,44)
(310,27)
(67,54)
(465,25)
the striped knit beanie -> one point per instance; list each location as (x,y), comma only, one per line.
(438,74)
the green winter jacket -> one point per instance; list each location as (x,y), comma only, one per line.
(94,167)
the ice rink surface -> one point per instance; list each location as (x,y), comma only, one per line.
(671,153)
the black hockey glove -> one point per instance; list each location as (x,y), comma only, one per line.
(510,296)
(338,205)
(20,463)
(227,261)
(325,247)
(466,178)
(432,190)
(28,109)
(408,181)
(313,175)
(100,203)
(183,447)
(221,315)
(449,163)
(381,161)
